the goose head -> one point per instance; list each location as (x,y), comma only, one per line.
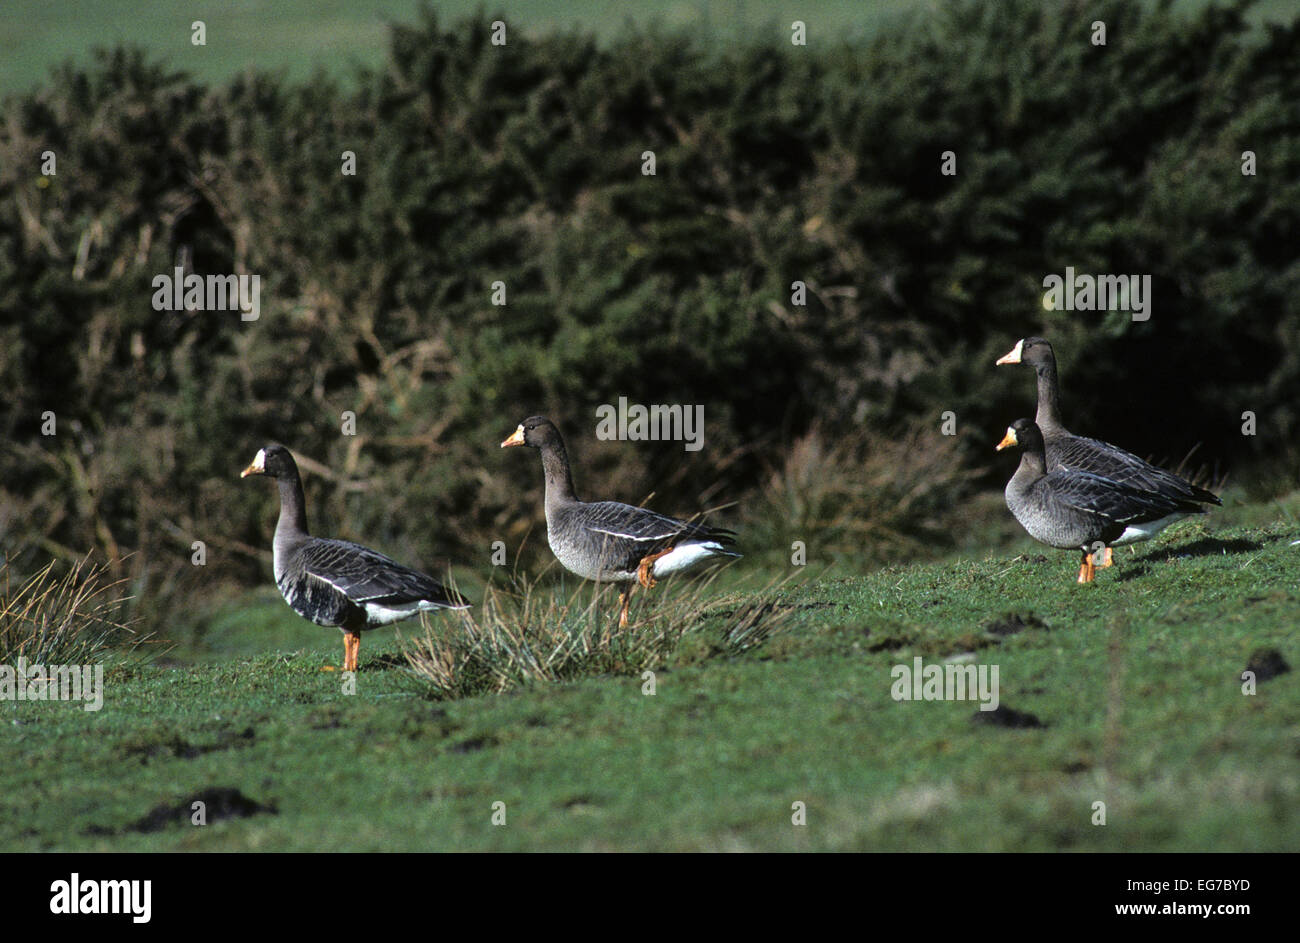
(273,460)
(1035,351)
(535,432)
(1023,433)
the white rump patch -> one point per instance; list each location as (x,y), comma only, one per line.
(684,557)
(1135,532)
(385,615)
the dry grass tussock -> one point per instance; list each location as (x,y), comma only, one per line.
(528,633)
(69,619)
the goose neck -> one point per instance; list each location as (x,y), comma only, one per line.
(293,511)
(559,479)
(1033,465)
(1049,407)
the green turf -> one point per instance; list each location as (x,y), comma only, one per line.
(1136,679)
(301,36)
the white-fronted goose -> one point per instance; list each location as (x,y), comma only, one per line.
(336,582)
(1069,508)
(1068,451)
(607,541)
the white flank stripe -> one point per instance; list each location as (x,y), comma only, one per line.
(613,533)
(329,583)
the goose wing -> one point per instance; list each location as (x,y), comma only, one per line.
(1115,501)
(368,576)
(1079,453)
(629,534)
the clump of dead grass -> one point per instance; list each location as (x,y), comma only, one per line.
(72,618)
(529,633)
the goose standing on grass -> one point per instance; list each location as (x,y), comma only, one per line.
(336,582)
(607,541)
(1069,508)
(1077,453)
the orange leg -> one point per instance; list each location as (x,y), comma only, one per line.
(624,598)
(645,572)
(351,648)
(1086,569)
(1107,559)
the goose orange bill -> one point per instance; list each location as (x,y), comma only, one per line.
(516,439)
(257,466)
(1008,440)
(1014,355)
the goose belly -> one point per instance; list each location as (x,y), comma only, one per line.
(589,562)
(1063,533)
(316,602)
(1055,536)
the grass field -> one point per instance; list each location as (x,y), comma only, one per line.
(301,36)
(1134,680)
(1127,692)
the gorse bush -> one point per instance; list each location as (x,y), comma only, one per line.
(522,164)
(868,497)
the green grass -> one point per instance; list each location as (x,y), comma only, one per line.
(300,36)
(1136,679)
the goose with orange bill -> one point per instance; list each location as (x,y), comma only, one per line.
(338,583)
(611,542)
(1068,452)
(1080,510)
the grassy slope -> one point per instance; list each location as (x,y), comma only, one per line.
(715,759)
(299,36)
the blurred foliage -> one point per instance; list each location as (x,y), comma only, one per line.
(522,163)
